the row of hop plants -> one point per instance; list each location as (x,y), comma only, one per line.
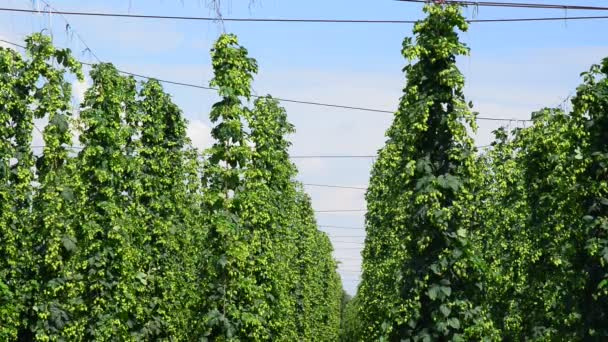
(134,236)
(510,244)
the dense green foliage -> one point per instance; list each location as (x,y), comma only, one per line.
(133,237)
(510,244)
(420,278)
(32,241)
(543,212)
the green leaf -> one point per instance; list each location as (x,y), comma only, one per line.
(433,291)
(61,122)
(142,277)
(223,261)
(454,323)
(461,232)
(67,194)
(69,243)
(445,310)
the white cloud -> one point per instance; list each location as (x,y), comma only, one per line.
(200,134)
(78,90)
(338,199)
(310,166)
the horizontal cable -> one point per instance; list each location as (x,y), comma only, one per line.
(516,5)
(306,184)
(355,257)
(214,19)
(341,211)
(77,148)
(341,261)
(332,235)
(369,156)
(515,20)
(50,9)
(334,186)
(340,227)
(347,236)
(351,156)
(311,103)
(330,21)
(317,211)
(333,156)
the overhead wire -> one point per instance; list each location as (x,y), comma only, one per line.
(516,5)
(212,19)
(340,227)
(346,236)
(312,103)
(340,211)
(514,20)
(317,211)
(279,99)
(320,21)
(53,10)
(367,156)
(334,186)
(303,157)
(333,156)
(334,241)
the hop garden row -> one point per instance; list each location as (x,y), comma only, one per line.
(135,237)
(510,245)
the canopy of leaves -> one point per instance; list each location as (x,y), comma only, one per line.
(510,244)
(133,237)
(419,273)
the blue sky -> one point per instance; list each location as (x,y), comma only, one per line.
(514,69)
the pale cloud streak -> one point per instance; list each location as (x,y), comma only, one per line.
(200,134)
